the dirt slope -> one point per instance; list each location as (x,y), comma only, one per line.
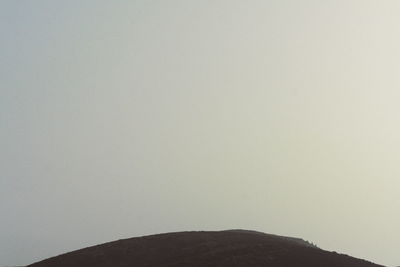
(231,248)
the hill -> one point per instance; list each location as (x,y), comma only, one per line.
(232,248)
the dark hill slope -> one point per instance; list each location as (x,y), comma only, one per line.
(231,248)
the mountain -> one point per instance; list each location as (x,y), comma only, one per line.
(231,248)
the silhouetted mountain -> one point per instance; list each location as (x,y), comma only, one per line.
(232,248)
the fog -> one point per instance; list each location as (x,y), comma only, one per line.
(128,118)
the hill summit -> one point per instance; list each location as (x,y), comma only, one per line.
(231,248)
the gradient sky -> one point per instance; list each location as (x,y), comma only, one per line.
(128,118)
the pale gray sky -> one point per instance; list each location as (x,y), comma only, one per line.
(127,118)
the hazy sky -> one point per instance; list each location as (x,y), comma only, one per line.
(127,118)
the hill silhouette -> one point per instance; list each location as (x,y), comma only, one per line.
(231,248)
